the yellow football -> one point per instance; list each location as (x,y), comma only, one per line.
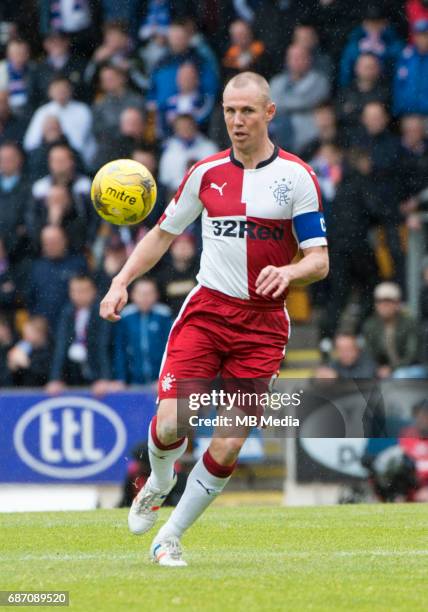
(123,192)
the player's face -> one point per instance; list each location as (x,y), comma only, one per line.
(247,115)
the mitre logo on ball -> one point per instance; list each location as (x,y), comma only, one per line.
(123,192)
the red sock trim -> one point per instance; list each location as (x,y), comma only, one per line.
(156,440)
(214,468)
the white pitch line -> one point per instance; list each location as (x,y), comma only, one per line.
(138,555)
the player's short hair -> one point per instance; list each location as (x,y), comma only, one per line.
(243,79)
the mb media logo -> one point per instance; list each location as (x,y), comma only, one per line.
(69,437)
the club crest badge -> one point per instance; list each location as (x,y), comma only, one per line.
(281,190)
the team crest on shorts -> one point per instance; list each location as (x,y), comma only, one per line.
(282,192)
(167,381)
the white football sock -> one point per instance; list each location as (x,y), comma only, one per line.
(162,461)
(201,489)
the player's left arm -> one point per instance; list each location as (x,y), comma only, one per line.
(310,232)
(313,267)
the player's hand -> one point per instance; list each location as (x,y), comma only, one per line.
(272,279)
(114,301)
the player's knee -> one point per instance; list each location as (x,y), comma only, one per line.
(166,429)
(166,421)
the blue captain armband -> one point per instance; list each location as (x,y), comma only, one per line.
(310,229)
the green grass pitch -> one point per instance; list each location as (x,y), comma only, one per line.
(368,557)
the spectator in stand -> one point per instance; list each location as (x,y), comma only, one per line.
(29,360)
(50,273)
(116,49)
(11,16)
(75,119)
(296,92)
(156,19)
(349,361)
(6,341)
(374,35)
(52,134)
(8,293)
(367,86)
(189,99)
(77,19)
(178,275)
(411,77)
(59,62)
(416,10)
(12,129)
(164,76)
(59,210)
(274,21)
(148,157)
(306,35)
(132,134)
(141,335)
(327,129)
(393,337)
(423,309)
(17,77)
(244,53)
(328,163)
(14,195)
(185,147)
(115,98)
(82,342)
(413,161)
(114,256)
(153,32)
(351,254)
(63,171)
(199,43)
(383,147)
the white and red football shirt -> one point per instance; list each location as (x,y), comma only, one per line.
(250,218)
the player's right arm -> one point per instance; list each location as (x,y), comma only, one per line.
(142,259)
(182,210)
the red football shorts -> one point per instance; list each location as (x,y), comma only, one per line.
(215,334)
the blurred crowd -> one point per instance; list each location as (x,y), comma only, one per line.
(86,81)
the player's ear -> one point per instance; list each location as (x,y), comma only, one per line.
(270,111)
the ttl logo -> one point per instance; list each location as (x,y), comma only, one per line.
(69,437)
(70,429)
